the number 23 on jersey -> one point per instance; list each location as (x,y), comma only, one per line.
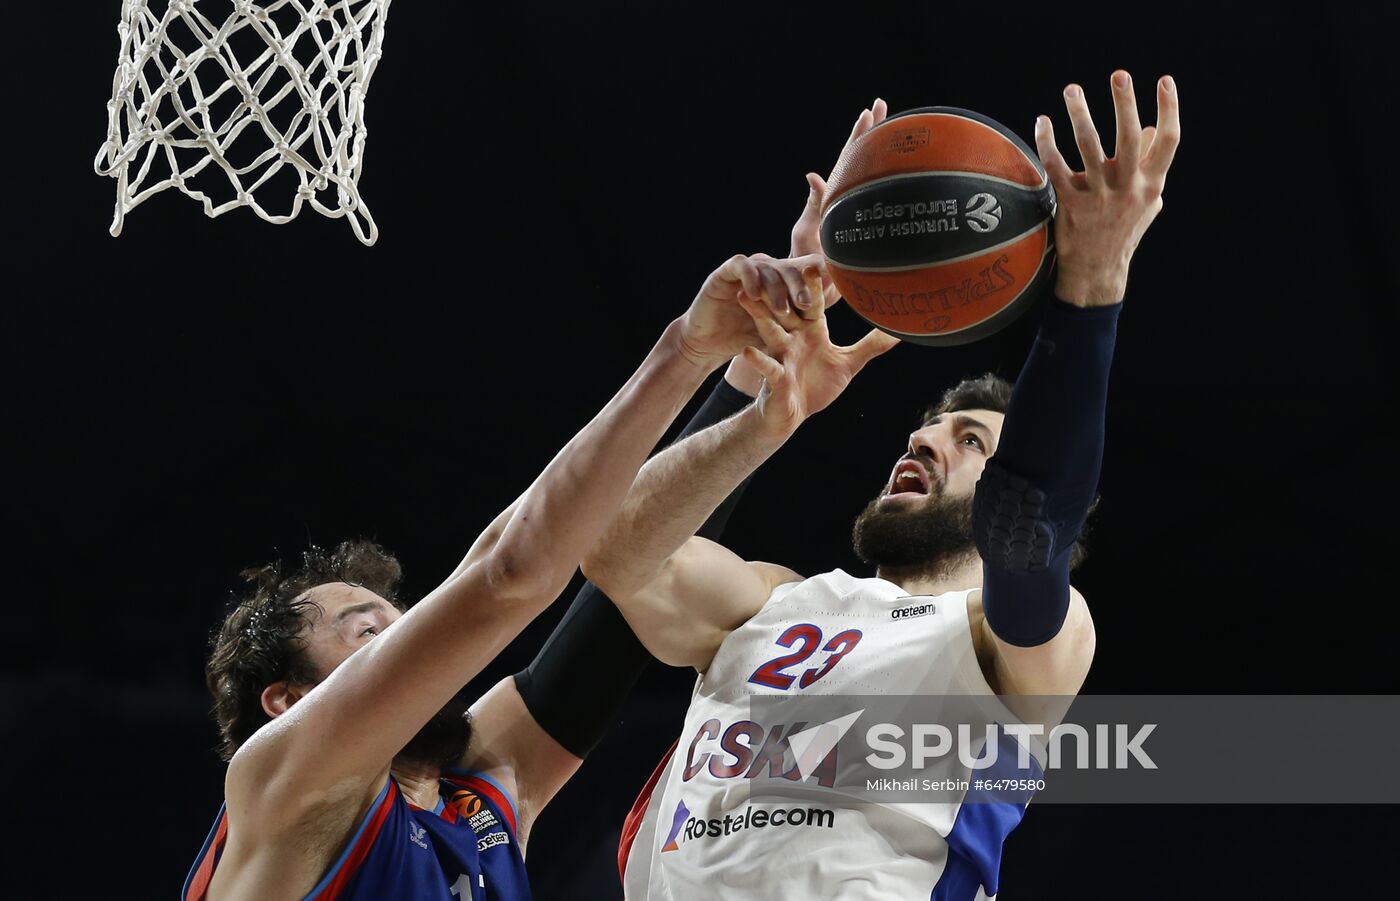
(809,637)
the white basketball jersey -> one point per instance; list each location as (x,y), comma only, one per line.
(695,832)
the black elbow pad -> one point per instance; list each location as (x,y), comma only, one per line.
(1009,522)
(1025,564)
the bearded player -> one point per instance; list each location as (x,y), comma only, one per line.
(996,618)
(357,770)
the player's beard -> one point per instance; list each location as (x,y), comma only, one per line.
(442,742)
(929,538)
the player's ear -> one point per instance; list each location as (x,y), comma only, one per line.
(278,698)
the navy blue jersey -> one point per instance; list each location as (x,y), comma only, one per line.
(465,848)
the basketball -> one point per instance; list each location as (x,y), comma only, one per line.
(937,226)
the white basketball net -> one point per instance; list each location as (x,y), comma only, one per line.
(182,99)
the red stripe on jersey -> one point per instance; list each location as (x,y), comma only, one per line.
(199,883)
(360,851)
(638,812)
(482,787)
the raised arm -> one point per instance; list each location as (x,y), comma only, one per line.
(325,743)
(683,623)
(682,594)
(532,731)
(1047,462)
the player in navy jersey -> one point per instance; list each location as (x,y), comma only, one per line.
(356,768)
(979,521)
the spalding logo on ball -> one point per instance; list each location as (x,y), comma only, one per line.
(938,226)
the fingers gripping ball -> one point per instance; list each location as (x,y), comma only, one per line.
(937,225)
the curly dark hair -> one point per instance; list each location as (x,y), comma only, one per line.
(261,641)
(986,392)
(992,392)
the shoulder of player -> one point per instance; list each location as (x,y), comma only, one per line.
(513,755)
(774,574)
(267,785)
(279,837)
(770,577)
(1057,667)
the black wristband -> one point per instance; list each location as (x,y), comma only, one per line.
(575,686)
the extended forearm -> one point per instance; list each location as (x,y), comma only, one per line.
(593,644)
(673,495)
(445,640)
(1035,492)
(1055,420)
(578,493)
(735,391)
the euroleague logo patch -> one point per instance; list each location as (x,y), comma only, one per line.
(983,212)
(479,817)
(468,803)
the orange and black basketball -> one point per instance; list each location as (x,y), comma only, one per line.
(938,225)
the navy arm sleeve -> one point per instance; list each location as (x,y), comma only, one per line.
(1036,490)
(577,683)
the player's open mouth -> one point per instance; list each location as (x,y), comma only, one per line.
(909,480)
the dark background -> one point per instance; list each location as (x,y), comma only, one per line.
(552,186)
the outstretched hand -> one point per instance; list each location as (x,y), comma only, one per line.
(1105,210)
(803,372)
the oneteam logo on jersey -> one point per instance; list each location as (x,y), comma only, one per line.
(912,610)
(491,840)
(415,835)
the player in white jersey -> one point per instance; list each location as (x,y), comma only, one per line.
(973,537)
